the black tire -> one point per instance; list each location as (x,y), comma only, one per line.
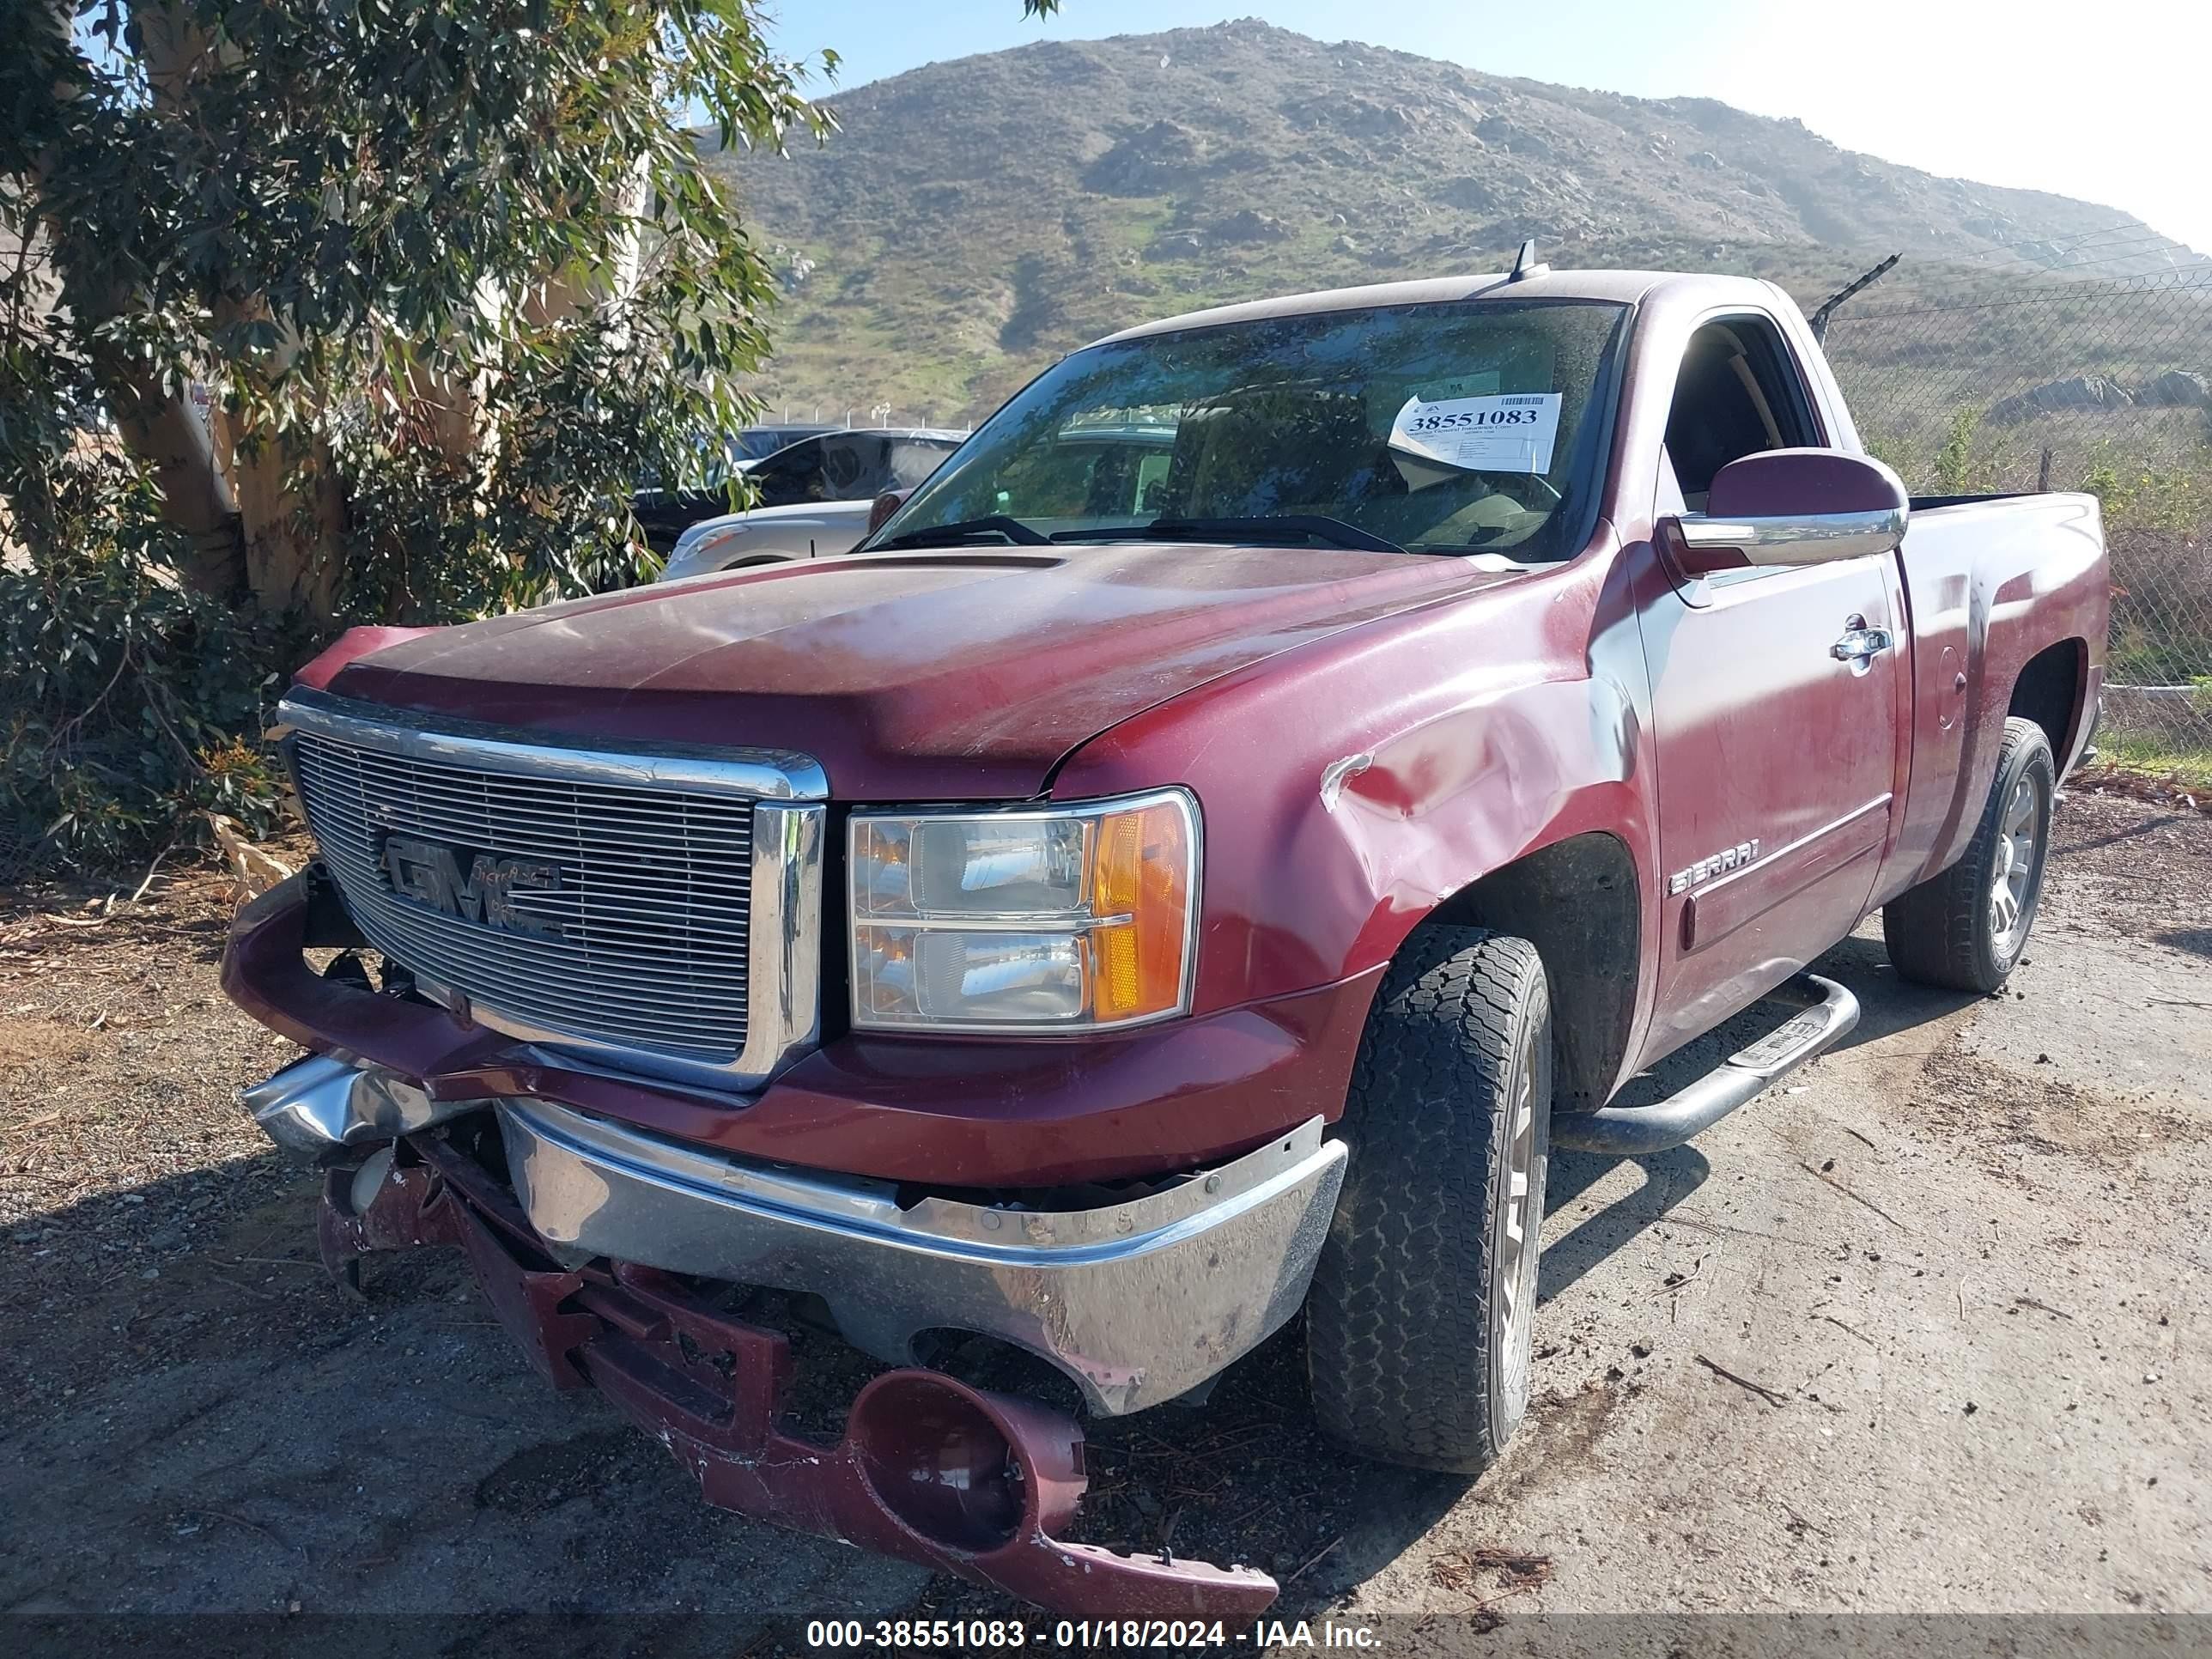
(1945,931)
(1418,1327)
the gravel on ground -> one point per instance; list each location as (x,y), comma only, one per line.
(1920,1331)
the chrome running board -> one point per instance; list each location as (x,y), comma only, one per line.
(1828,1011)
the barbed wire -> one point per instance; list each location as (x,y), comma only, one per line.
(2192,278)
(2110,246)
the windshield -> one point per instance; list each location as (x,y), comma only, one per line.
(758,442)
(1438,428)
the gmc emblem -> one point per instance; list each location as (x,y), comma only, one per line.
(431,875)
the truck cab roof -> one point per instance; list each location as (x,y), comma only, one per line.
(1618,286)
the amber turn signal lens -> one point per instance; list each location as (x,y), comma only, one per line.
(1140,893)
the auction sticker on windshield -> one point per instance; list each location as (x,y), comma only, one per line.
(1511,433)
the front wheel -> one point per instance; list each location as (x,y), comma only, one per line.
(1966,929)
(1419,1330)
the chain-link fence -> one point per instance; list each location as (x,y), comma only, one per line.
(2103,386)
(780,411)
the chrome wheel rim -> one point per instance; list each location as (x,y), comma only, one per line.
(2013,868)
(1520,1200)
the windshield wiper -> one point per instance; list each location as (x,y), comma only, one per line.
(970,530)
(1312,527)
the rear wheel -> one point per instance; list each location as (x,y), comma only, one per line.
(1966,929)
(1420,1327)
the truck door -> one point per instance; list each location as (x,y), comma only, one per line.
(1777,742)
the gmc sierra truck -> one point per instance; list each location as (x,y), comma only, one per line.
(1163,881)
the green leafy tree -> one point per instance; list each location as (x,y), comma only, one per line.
(393,298)
(314,311)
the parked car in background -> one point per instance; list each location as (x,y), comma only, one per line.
(757,443)
(663,514)
(1101,463)
(814,497)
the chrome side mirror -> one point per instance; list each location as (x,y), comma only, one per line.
(1789,507)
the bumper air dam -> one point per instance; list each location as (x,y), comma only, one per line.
(928,1469)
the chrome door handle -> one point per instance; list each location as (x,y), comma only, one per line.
(1861,643)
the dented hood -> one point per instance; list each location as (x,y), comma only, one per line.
(960,675)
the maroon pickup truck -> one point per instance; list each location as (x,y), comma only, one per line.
(1281,777)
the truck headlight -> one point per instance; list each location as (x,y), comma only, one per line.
(1049,920)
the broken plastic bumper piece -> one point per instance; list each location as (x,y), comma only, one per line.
(928,1469)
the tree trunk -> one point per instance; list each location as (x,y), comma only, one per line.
(158,425)
(29,520)
(443,415)
(292,507)
(291,503)
(565,292)
(166,432)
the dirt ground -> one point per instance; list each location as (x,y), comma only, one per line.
(1925,1330)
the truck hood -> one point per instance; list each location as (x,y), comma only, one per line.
(963,675)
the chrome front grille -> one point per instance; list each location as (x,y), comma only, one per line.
(660,908)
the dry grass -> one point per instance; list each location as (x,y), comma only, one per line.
(1489,1574)
(118,1055)
(2148,763)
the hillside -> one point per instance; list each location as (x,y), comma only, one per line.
(975,218)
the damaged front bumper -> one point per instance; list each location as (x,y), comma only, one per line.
(621,1213)
(1138,1302)
(928,1469)
(320,1108)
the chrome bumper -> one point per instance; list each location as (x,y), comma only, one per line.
(317,1107)
(1137,1301)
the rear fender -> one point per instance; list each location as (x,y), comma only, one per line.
(1992,584)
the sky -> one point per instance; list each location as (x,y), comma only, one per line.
(2104,100)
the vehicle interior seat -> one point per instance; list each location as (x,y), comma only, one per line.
(1272,453)
(1722,409)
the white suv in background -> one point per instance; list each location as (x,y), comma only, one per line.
(815,497)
